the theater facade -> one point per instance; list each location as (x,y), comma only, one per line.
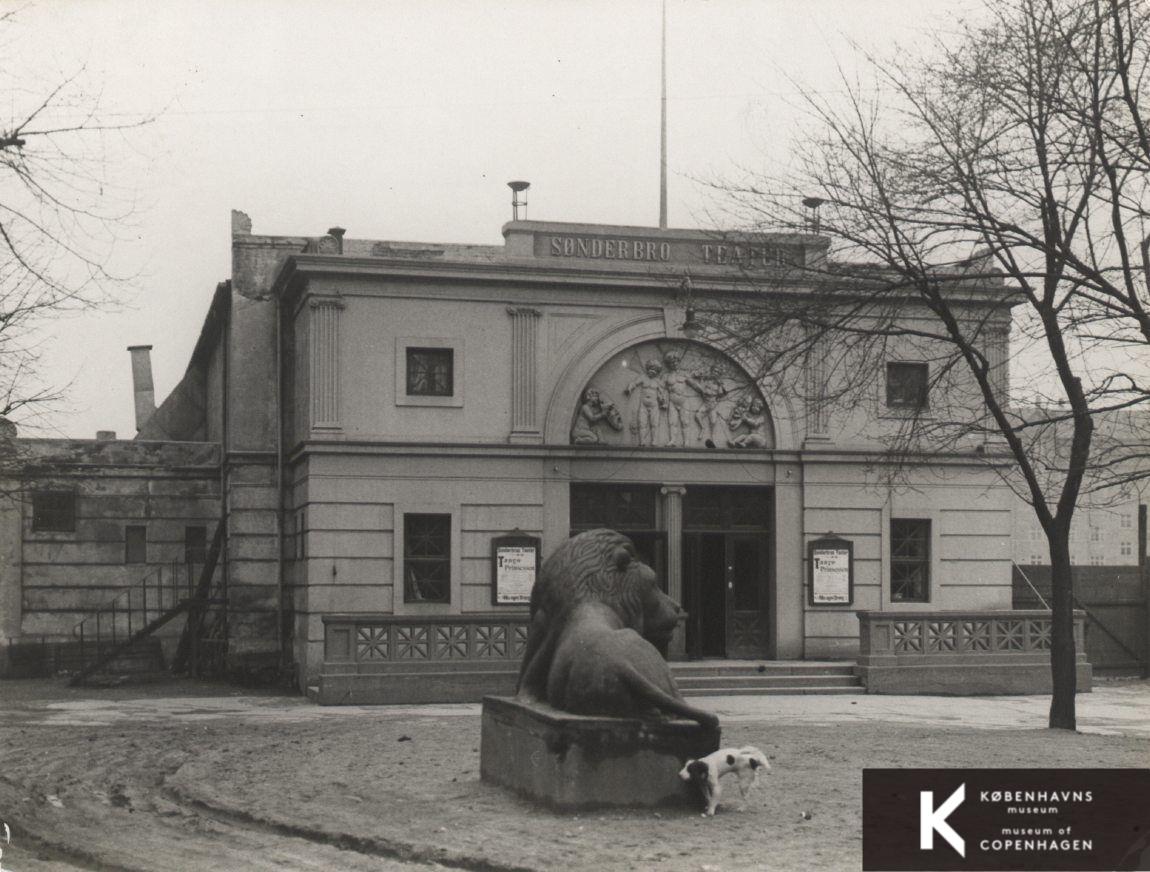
(407,429)
(450,412)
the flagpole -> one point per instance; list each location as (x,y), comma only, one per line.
(663,130)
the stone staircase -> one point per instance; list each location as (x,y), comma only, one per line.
(761,678)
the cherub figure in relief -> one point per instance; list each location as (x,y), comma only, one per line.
(652,401)
(591,413)
(752,416)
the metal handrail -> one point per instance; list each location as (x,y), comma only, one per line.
(123,604)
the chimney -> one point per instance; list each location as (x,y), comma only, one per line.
(142,387)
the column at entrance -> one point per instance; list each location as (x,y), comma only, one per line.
(673,524)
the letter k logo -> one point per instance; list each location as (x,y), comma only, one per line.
(933,820)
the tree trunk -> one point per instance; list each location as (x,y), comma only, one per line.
(1063,656)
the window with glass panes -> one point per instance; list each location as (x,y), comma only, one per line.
(631,509)
(906,385)
(909,560)
(430,372)
(426,558)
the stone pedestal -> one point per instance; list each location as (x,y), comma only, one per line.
(573,761)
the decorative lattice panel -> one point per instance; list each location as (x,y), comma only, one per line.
(412,643)
(372,643)
(450,642)
(1011,635)
(976,636)
(1040,635)
(908,637)
(491,641)
(518,640)
(941,636)
(750,634)
(454,638)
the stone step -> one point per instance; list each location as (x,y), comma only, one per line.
(768,691)
(729,667)
(696,682)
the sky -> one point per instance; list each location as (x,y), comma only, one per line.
(404,120)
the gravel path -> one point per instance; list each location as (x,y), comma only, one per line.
(183,780)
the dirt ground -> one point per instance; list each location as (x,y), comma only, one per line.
(217,779)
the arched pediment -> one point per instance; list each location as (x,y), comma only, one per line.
(672,393)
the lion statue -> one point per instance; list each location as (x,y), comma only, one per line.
(598,623)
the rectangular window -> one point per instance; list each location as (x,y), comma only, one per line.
(195,544)
(1127,522)
(909,560)
(1095,534)
(427,558)
(1126,549)
(54,512)
(135,544)
(906,385)
(430,372)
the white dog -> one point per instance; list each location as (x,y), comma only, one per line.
(706,772)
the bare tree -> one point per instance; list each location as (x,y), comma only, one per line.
(61,215)
(998,179)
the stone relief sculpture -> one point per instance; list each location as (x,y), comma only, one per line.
(707,416)
(680,393)
(673,393)
(598,622)
(652,401)
(750,415)
(593,411)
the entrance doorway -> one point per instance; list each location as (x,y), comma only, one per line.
(726,571)
(627,509)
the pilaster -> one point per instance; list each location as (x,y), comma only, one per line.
(525,426)
(673,524)
(998,360)
(324,372)
(817,417)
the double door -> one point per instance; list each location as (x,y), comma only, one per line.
(725,583)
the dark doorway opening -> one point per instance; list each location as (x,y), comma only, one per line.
(727,571)
(705,564)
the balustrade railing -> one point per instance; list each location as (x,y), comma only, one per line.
(384,639)
(1004,651)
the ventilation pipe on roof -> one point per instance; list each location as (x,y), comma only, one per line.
(142,387)
(518,188)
